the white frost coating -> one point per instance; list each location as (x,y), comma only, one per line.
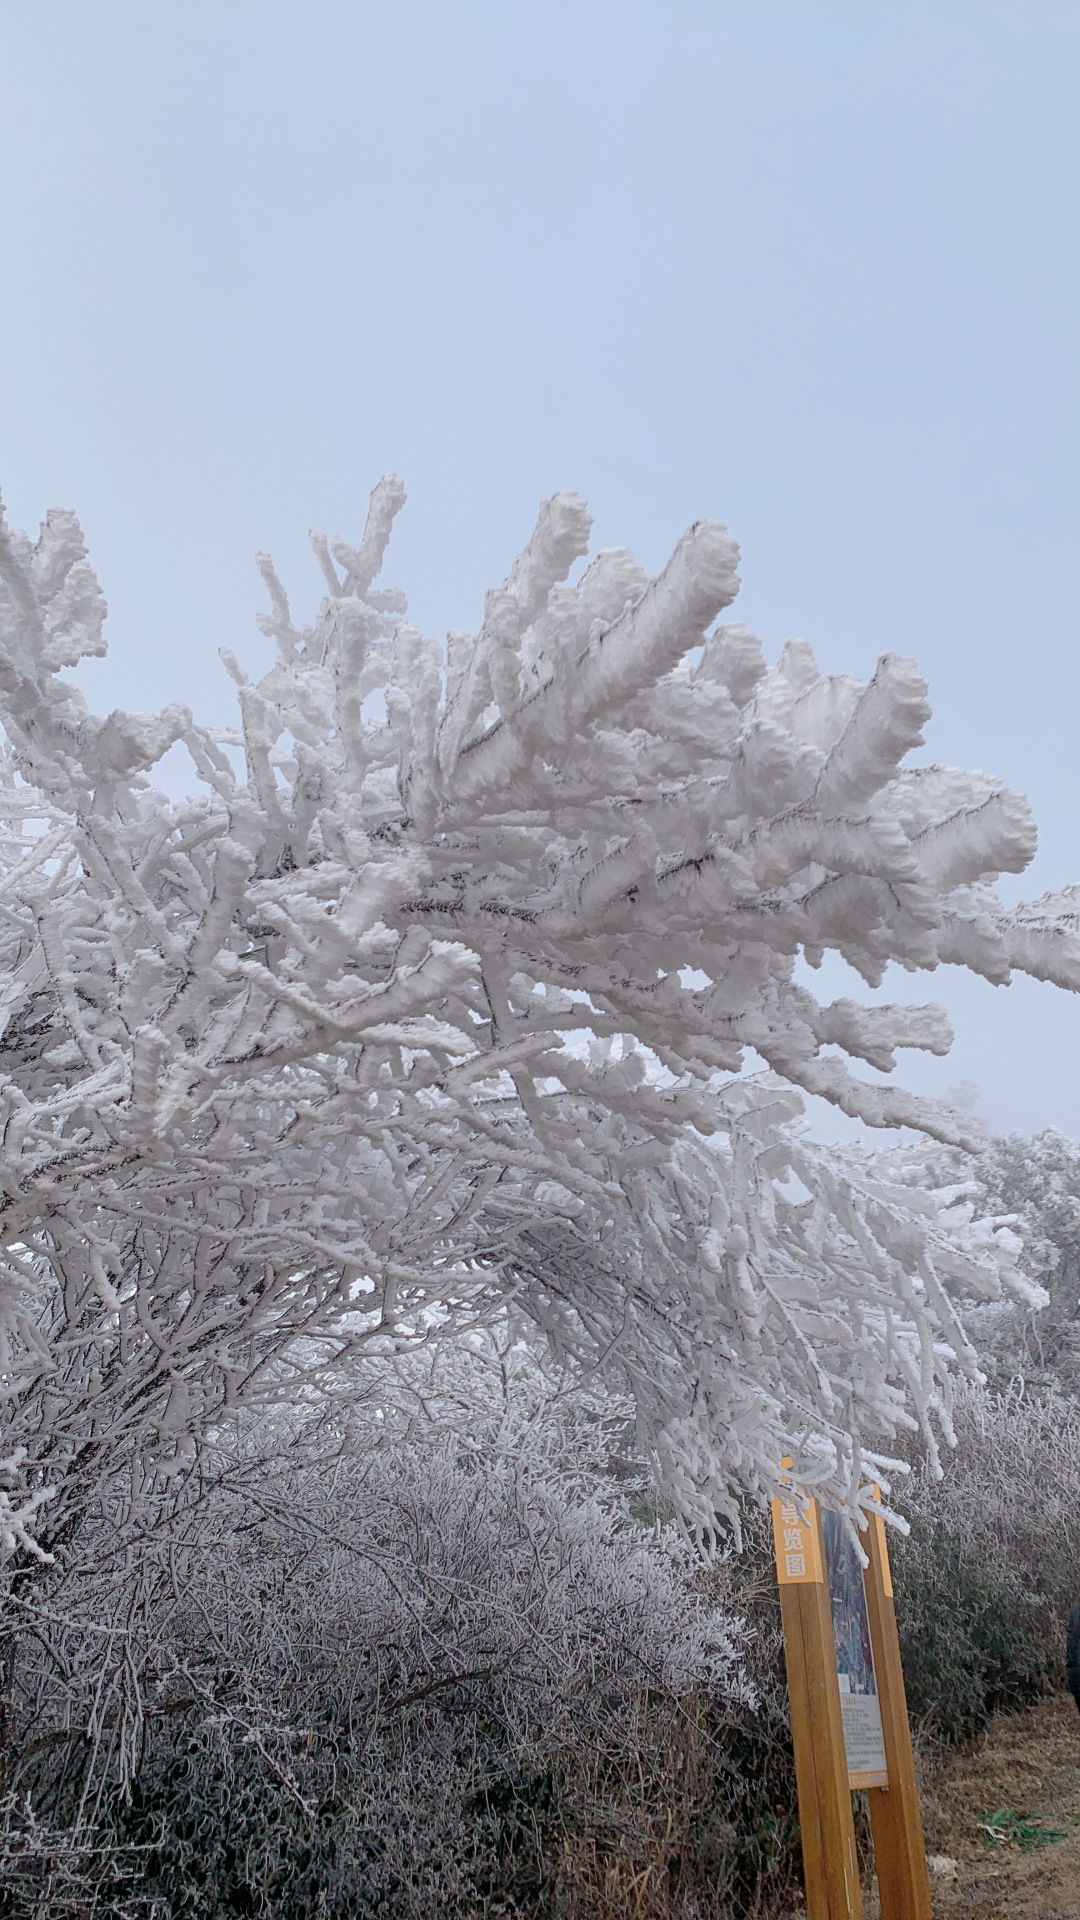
(886,721)
(18,1515)
(388,1034)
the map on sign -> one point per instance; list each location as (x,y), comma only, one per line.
(863,1742)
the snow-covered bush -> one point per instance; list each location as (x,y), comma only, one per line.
(1037,1180)
(455,1674)
(460,1665)
(437,1003)
(991,1568)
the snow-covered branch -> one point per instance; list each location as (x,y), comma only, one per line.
(437,1004)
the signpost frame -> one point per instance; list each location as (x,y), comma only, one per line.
(823,1778)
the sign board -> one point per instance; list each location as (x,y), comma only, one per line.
(813,1547)
(849,1723)
(860,1707)
(797,1537)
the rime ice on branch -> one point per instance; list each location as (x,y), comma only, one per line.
(393,1031)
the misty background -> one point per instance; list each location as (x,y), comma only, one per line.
(808,269)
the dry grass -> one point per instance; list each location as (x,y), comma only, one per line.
(1028,1762)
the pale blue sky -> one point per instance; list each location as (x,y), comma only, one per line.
(810,268)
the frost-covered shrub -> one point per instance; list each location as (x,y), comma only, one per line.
(463,1670)
(457,1673)
(991,1568)
(1037,1180)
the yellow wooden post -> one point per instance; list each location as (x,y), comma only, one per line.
(830,1866)
(895,1818)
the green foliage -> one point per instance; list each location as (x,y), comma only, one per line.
(1028,1831)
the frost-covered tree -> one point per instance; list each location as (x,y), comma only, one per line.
(1036,1180)
(440,1003)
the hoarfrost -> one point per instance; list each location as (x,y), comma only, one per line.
(285,1078)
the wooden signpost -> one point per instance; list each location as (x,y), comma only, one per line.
(849,1721)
